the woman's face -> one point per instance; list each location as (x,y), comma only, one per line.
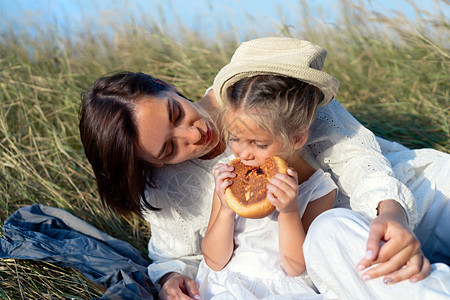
(248,141)
(172,129)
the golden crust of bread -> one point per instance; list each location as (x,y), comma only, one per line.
(247,196)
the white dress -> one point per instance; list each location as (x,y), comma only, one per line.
(254,270)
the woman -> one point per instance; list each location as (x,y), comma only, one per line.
(152,136)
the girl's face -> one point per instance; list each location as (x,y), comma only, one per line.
(248,141)
(172,129)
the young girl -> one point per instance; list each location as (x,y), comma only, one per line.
(255,258)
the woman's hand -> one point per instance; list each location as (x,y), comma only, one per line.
(178,286)
(393,246)
(222,175)
(282,191)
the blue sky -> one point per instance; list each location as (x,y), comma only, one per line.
(206,16)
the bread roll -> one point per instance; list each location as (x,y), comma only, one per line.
(247,195)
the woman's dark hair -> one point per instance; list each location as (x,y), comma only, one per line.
(108,132)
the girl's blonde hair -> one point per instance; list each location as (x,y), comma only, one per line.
(284,106)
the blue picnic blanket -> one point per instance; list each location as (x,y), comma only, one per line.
(45,233)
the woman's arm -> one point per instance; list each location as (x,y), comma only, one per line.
(350,151)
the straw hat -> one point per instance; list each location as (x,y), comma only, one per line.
(277,56)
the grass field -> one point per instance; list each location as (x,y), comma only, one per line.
(394,76)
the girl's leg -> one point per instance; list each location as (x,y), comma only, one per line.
(335,243)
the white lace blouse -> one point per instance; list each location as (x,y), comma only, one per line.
(337,144)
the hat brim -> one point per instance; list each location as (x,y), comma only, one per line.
(233,72)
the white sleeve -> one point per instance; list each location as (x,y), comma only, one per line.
(164,262)
(351,152)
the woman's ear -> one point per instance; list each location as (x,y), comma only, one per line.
(300,139)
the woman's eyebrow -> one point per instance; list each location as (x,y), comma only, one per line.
(169,113)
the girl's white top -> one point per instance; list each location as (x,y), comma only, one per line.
(256,262)
(337,144)
(256,240)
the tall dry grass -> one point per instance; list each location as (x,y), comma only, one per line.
(394,77)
